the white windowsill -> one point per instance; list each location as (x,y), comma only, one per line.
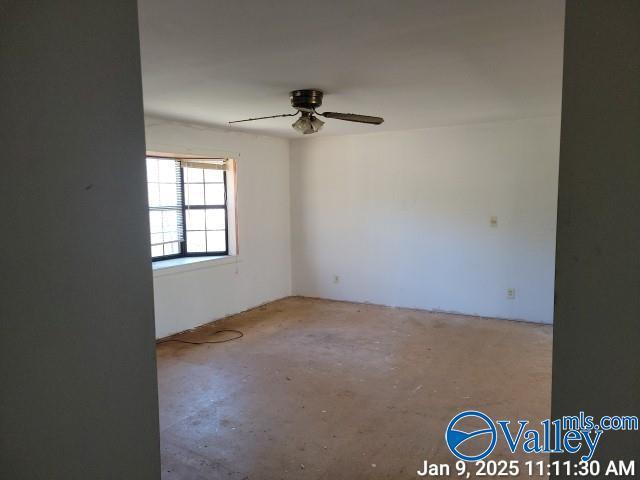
(187,264)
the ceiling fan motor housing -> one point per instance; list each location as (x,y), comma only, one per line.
(306,100)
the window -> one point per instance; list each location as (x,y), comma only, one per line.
(187,207)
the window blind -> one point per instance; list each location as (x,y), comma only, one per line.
(206,163)
(165,201)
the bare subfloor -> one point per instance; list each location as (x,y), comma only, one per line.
(330,390)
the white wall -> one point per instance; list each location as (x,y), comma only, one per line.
(403,218)
(185,298)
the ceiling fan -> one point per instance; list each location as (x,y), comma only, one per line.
(306,102)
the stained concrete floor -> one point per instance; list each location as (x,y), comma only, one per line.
(328,390)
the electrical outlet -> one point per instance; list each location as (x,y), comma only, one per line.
(336,279)
(511,293)
(493,221)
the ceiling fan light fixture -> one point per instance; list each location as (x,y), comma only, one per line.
(316,123)
(307,124)
(302,125)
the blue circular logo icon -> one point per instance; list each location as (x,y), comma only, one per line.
(456,436)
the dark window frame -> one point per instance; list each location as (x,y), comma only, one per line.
(183,243)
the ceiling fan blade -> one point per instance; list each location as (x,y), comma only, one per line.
(262,118)
(353,117)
